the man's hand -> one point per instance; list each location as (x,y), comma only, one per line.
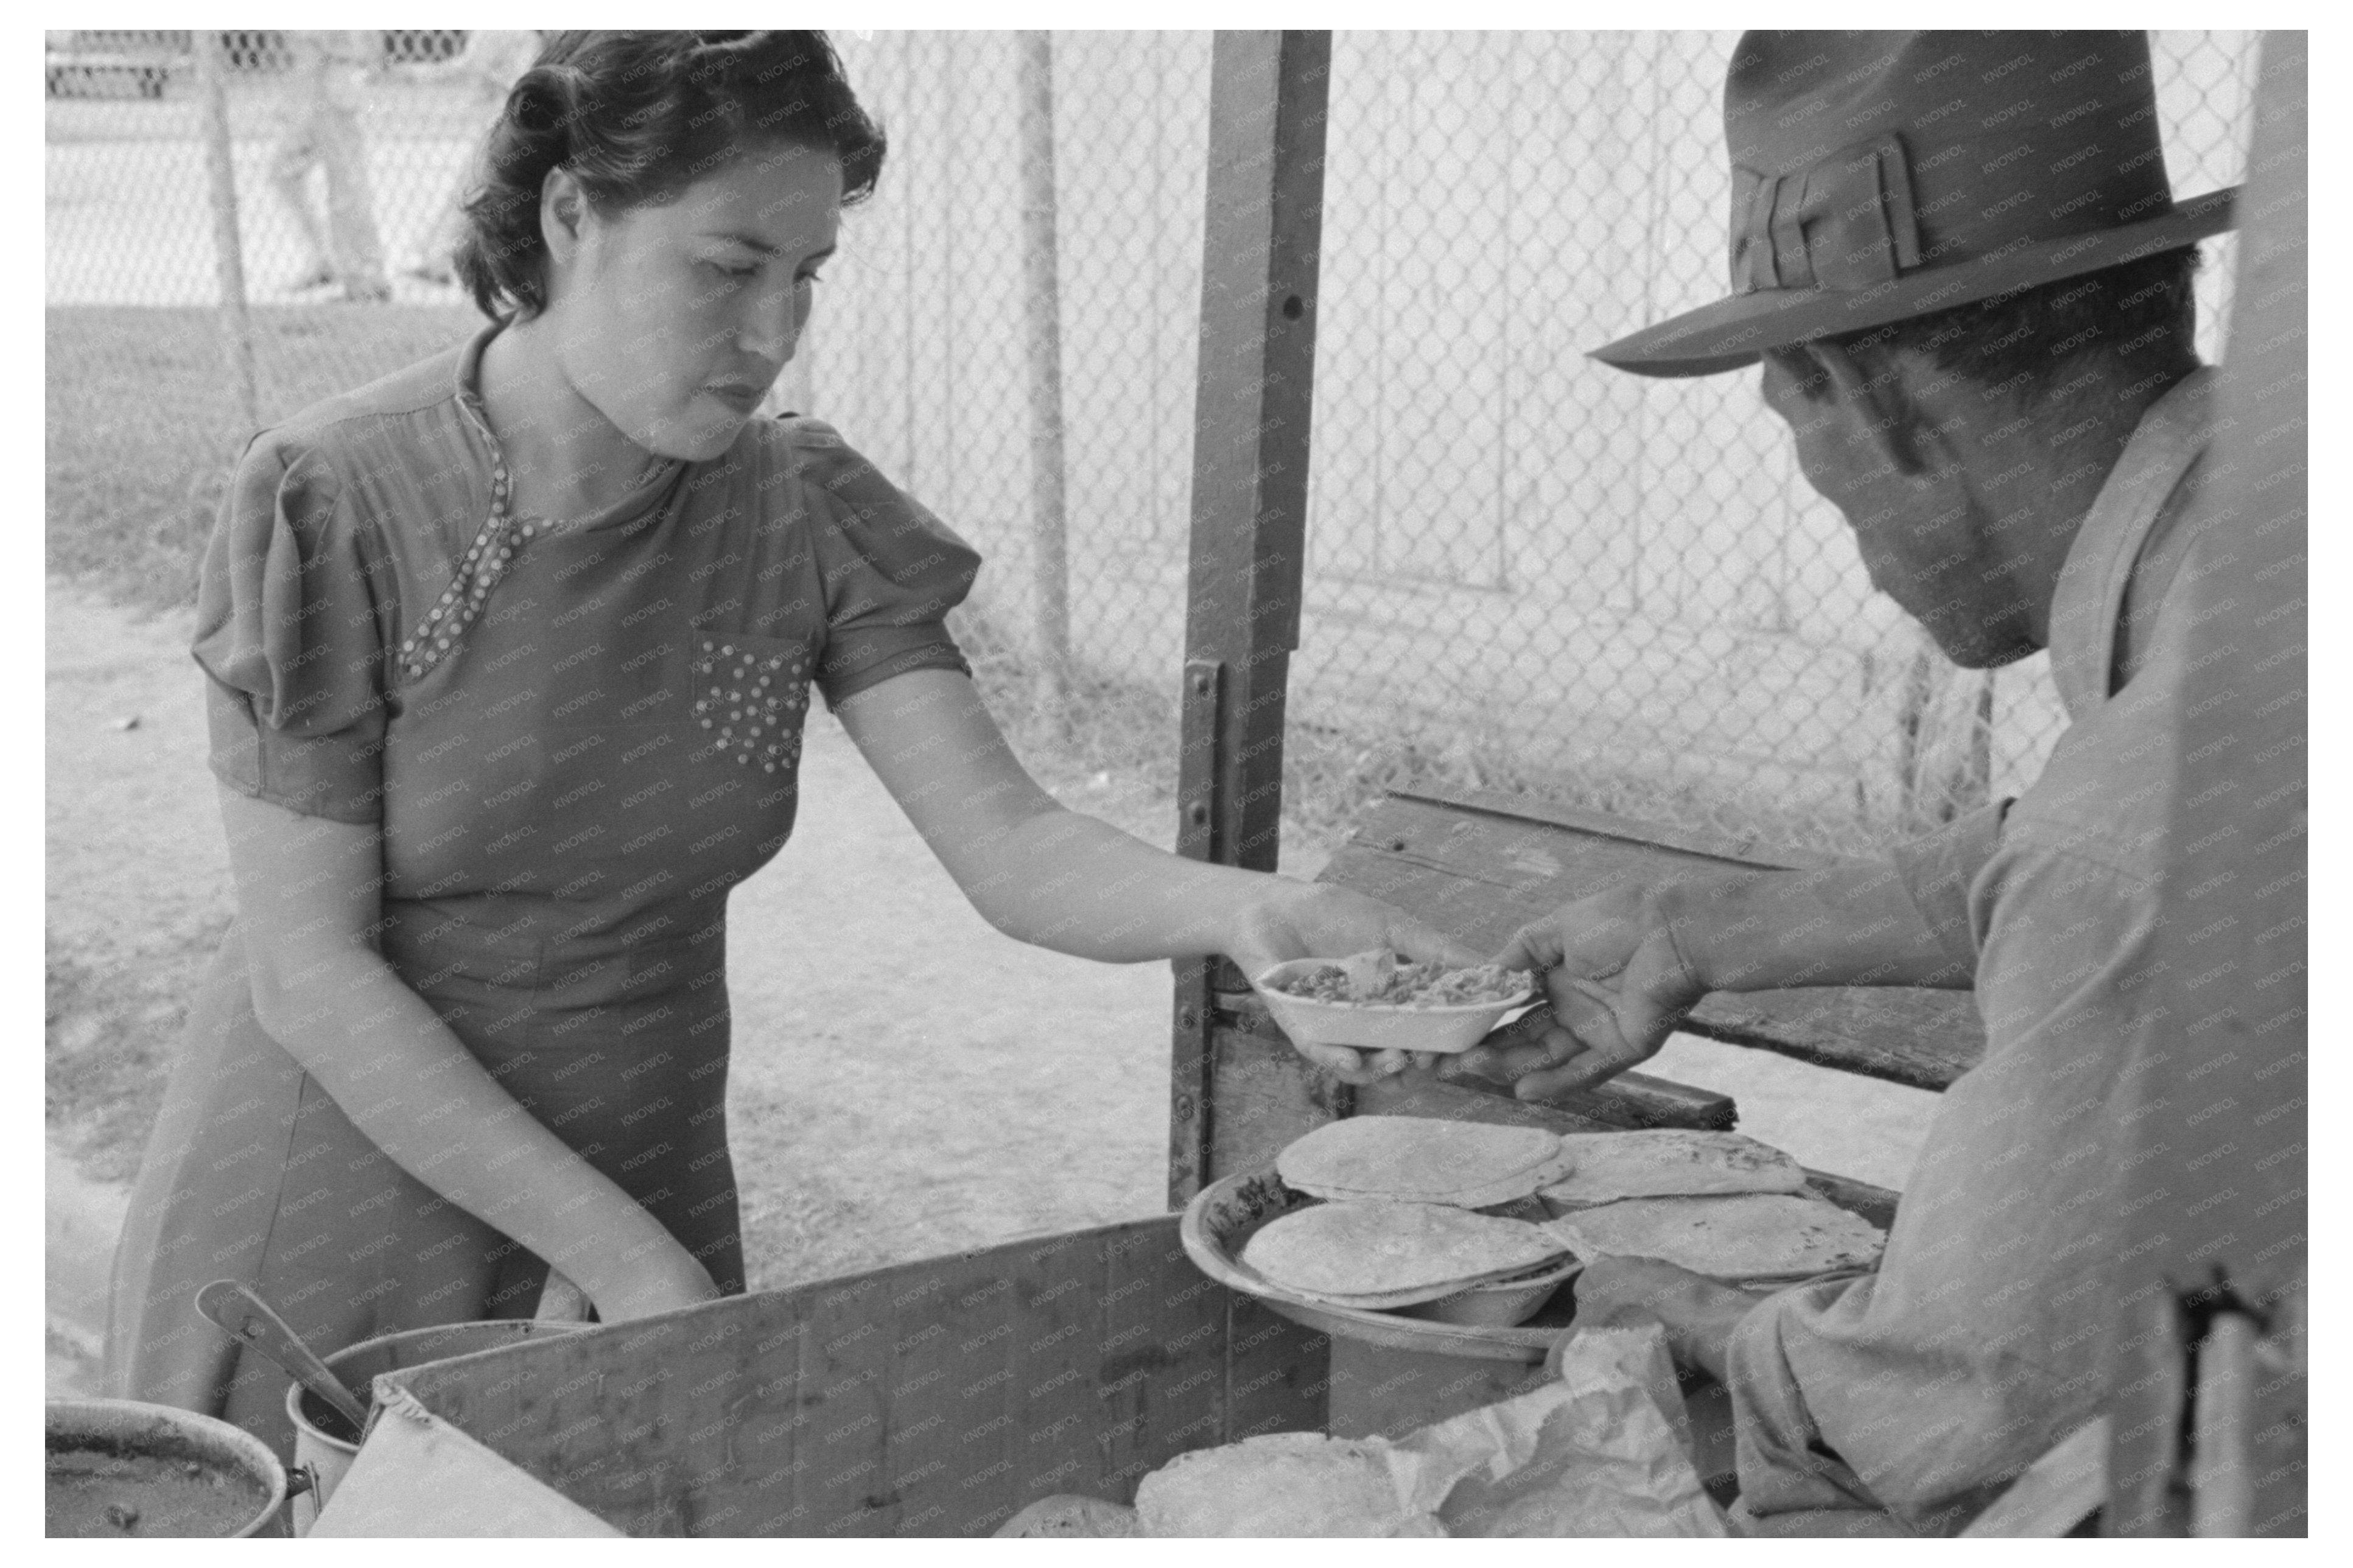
(1316,920)
(1618,980)
(1622,968)
(1699,1313)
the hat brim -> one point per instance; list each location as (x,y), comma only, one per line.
(1733,332)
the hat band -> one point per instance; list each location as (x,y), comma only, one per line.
(1846,224)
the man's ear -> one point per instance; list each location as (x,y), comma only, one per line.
(1875,402)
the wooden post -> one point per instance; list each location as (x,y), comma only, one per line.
(2210,1176)
(2223,1447)
(1042,306)
(1260,247)
(229,247)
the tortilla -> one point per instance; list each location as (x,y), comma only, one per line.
(1748,1235)
(1069,1514)
(1281,1484)
(1393,1255)
(1667,1162)
(1421,1159)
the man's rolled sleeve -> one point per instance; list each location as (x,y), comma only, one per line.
(1936,869)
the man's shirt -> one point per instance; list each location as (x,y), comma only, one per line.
(1924,1387)
(2116,577)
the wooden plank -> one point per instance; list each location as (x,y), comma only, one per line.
(928,1399)
(1921,1038)
(1278,1373)
(1482,870)
(1052,1310)
(1876,1205)
(1739,851)
(1385,1392)
(1262,240)
(1418,1094)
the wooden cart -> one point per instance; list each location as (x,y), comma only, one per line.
(939,1397)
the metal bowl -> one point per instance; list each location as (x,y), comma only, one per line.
(1501,1304)
(1226,1213)
(319,1440)
(126,1470)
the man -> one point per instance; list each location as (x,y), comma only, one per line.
(485,71)
(326,86)
(1959,259)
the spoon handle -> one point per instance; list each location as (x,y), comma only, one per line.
(251,1320)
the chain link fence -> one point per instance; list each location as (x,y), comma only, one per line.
(1525,571)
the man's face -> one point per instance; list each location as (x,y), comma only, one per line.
(1905,485)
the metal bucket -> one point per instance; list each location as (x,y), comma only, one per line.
(125,1469)
(318,1443)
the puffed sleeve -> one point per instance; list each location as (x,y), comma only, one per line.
(288,630)
(891,570)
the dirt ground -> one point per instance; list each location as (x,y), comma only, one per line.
(906,1081)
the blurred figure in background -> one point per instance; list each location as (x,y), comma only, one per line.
(486,69)
(328,78)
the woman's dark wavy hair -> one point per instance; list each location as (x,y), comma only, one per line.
(638,117)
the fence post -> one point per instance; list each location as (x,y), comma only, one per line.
(229,247)
(1042,306)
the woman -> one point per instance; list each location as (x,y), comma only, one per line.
(510,654)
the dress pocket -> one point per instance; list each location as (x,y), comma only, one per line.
(751,695)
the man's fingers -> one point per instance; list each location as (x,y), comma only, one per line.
(1495,1064)
(1342,1063)
(1479,1061)
(1529,1028)
(1585,1011)
(1591,1068)
(1536,947)
(1508,1053)
(1426,944)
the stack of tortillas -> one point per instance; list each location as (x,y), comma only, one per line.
(1398,1230)
(1667,1162)
(1422,1159)
(1279,1484)
(1714,1203)
(1378,1254)
(1760,1238)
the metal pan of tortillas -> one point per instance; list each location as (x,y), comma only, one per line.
(1226,1213)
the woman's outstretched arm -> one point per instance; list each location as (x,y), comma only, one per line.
(1052,876)
(308,898)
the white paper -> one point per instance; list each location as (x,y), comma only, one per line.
(1601,1451)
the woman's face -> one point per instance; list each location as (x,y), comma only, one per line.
(673,320)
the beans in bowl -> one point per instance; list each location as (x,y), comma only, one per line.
(1379,979)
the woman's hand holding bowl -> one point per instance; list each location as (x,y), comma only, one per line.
(1314,920)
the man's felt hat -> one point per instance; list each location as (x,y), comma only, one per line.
(1877,176)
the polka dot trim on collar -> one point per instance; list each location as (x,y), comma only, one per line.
(499,540)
